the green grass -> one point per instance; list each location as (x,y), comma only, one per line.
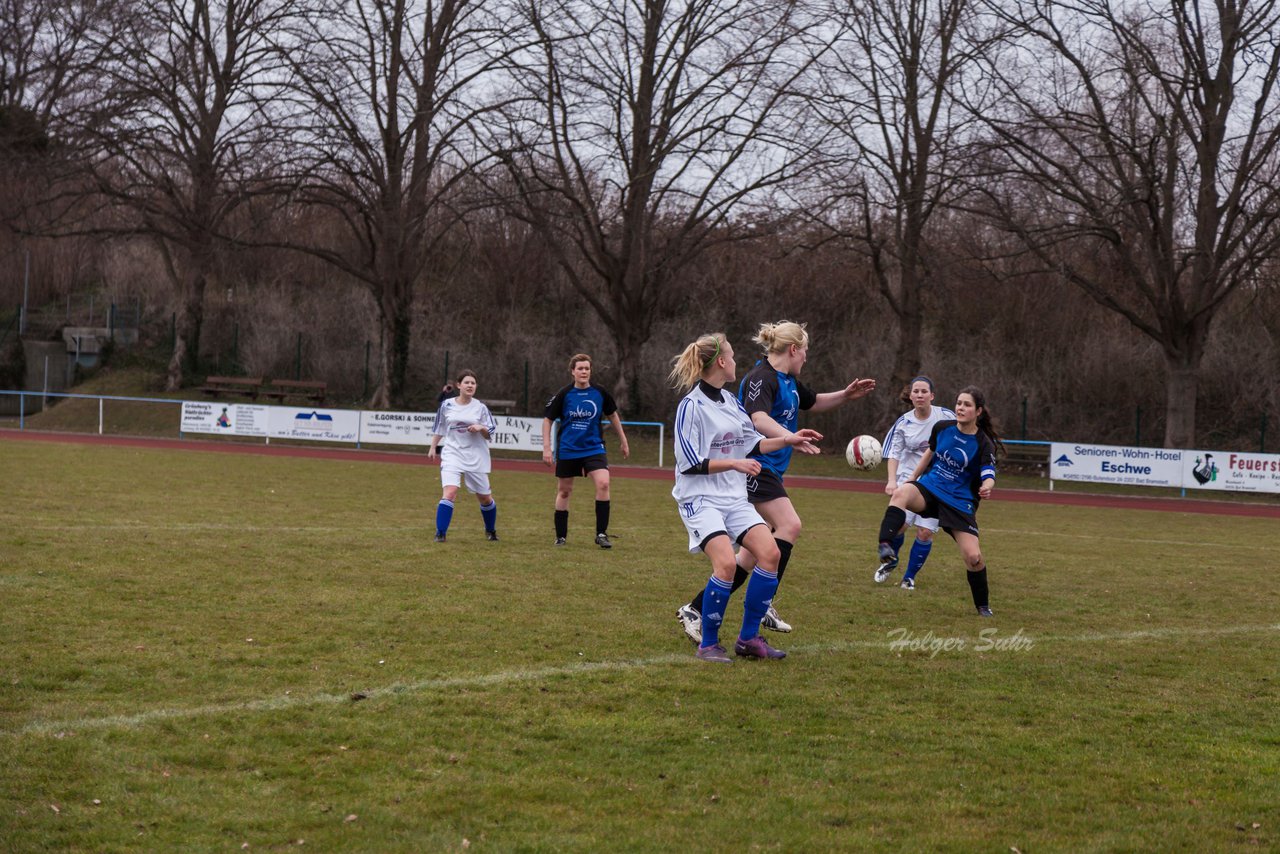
(183,634)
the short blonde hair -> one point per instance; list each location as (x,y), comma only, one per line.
(776,337)
(687,367)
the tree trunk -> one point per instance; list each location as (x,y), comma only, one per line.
(395,317)
(626,385)
(906,362)
(186,340)
(1181,384)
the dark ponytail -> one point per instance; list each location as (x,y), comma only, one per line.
(985,422)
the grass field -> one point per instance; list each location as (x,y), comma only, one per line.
(214,652)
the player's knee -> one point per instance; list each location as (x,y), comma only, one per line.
(924,535)
(974,561)
(768,557)
(789,530)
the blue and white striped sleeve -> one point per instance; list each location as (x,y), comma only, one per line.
(892,449)
(487,419)
(688,436)
(439,425)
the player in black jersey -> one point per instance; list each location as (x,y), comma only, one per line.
(773,396)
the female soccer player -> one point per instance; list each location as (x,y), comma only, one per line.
(904,445)
(773,396)
(466,425)
(955,473)
(581,408)
(714,437)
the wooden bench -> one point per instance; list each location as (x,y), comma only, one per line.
(312,391)
(250,387)
(499,407)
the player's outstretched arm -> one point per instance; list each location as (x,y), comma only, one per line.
(855,390)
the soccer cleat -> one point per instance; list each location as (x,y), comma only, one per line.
(756,648)
(491,536)
(691,622)
(715,653)
(984,611)
(773,622)
(888,563)
(439,537)
(559,541)
(908,584)
(602,540)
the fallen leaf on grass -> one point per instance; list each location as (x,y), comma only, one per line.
(350,818)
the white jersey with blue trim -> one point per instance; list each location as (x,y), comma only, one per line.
(711,428)
(463,450)
(908,439)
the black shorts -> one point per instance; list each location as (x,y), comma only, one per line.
(764,487)
(949,518)
(581,466)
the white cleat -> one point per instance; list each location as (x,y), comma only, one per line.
(773,622)
(691,622)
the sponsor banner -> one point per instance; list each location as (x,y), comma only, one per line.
(517,434)
(1115,464)
(316,425)
(1231,471)
(396,428)
(224,419)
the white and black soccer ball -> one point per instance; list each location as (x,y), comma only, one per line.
(864,452)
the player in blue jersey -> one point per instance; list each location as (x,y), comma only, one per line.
(904,446)
(954,475)
(581,408)
(717,449)
(773,397)
(465,425)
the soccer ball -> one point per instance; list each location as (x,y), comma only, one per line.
(864,452)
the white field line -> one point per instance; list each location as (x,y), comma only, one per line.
(220,527)
(508,677)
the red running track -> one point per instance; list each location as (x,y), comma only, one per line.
(1172,505)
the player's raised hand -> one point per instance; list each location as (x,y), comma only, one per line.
(859,388)
(805,441)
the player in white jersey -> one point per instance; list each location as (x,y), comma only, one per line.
(466,426)
(714,440)
(904,446)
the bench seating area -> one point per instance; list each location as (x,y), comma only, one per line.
(499,407)
(250,387)
(312,391)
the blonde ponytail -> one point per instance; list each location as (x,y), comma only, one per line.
(776,337)
(694,359)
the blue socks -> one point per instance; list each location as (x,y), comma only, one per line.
(897,542)
(444,515)
(760,589)
(919,554)
(714,600)
(489,512)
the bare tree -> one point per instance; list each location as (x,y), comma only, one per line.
(1135,155)
(181,133)
(884,95)
(397,88)
(49,59)
(653,129)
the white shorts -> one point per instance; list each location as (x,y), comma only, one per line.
(702,517)
(917,520)
(922,521)
(477,482)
